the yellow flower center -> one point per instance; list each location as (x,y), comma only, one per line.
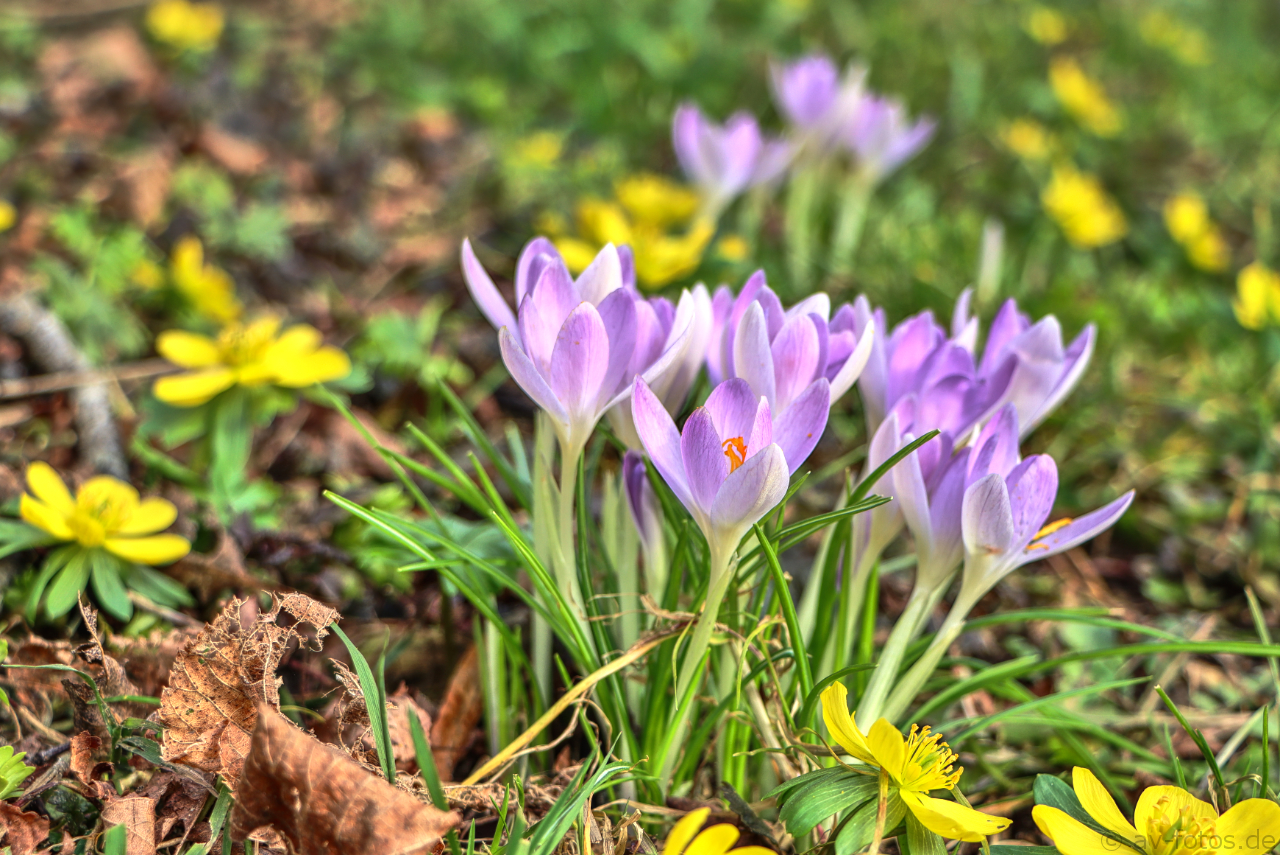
(240,345)
(736,450)
(97,516)
(928,763)
(1173,829)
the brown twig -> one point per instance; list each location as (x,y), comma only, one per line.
(44,384)
(51,348)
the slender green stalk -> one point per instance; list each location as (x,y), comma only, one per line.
(802,198)
(850,218)
(886,673)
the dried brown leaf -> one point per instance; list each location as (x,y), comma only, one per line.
(321,801)
(88,770)
(217,683)
(21,830)
(138,815)
(458,716)
(235,154)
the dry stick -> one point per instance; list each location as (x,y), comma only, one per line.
(581,688)
(1175,666)
(51,348)
(43,384)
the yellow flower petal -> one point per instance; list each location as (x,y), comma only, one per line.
(715,840)
(47,486)
(297,340)
(1168,801)
(684,830)
(45,518)
(1070,836)
(150,516)
(1186,216)
(327,363)
(888,747)
(103,490)
(577,254)
(951,819)
(1098,803)
(187,258)
(1251,827)
(188,350)
(195,388)
(160,549)
(835,715)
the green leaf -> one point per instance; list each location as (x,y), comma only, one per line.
(822,799)
(922,841)
(107,586)
(65,589)
(376,704)
(113,842)
(157,587)
(861,826)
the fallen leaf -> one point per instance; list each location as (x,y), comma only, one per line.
(458,716)
(146,178)
(138,816)
(86,769)
(321,801)
(22,830)
(179,801)
(219,681)
(236,154)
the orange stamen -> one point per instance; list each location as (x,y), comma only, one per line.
(736,450)
(1052,527)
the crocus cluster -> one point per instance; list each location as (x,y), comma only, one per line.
(725,160)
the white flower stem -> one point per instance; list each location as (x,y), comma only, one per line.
(885,676)
(909,686)
(851,217)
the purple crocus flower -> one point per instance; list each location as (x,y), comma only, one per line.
(795,358)
(813,97)
(655,330)
(1045,372)
(724,160)
(727,467)
(882,138)
(572,344)
(643,504)
(918,359)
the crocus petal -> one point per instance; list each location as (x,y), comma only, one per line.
(484,292)
(852,369)
(151,515)
(987,517)
(43,517)
(194,388)
(795,352)
(684,830)
(800,426)
(733,406)
(160,549)
(839,722)
(760,436)
(544,311)
(579,363)
(1076,360)
(705,462)
(526,375)
(1252,826)
(1033,485)
(750,492)
(1099,804)
(996,449)
(686,129)
(909,487)
(752,357)
(1069,835)
(602,277)
(188,350)
(661,440)
(945,506)
(1079,530)
(47,486)
(951,819)
(535,255)
(1007,324)
(618,314)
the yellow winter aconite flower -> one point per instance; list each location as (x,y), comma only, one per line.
(105,512)
(1167,820)
(733,248)
(1187,44)
(8,215)
(255,354)
(184,25)
(915,765)
(1083,210)
(1028,139)
(1045,25)
(1083,97)
(542,149)
(715,840)
(1187,218)
(1259,302)
(210,289)
(645,215)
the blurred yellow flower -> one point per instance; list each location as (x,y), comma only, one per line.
(148,275)
(105,512)
(713,840)
(254,354)
(184,25)
(541,149)
(1186,43)
(655,200)
(1083,97)
(1045,25)
(209,288)
(733,248)
(1187,218)
(1084,211)
(1259,302)
(1028,139)
(8,215)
